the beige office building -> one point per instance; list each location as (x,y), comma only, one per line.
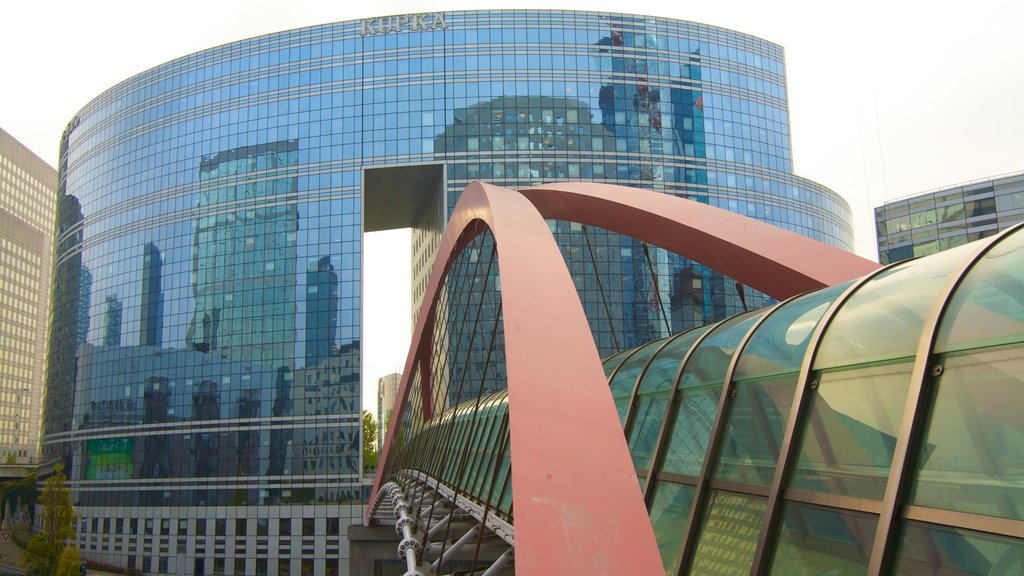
(27,201)
(387,390)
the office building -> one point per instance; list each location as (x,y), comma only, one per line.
(27,196)
(934,221)
(387,388)
(211,211)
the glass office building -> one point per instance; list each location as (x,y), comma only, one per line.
(934,221)
(203,378)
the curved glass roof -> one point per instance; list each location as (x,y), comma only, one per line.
(784,439)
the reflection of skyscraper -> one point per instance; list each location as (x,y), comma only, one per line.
(112,313)
(72,284)
(243,257)
(321,310)
(84,299)
(152,312)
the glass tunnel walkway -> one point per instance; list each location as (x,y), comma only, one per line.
(870,427)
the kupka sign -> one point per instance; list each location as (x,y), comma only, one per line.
(407,23)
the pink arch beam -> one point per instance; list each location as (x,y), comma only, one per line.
(777,262)
(578,507)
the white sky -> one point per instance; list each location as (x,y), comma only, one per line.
(887,98)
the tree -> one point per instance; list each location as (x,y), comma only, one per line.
(369,440)
(44,550)
(70,563)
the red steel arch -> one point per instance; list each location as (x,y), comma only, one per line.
(578,507)
(777,262)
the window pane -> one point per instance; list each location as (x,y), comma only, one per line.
(728,534)
(625,379)
(701,386)
(754,430)
(663,368)
(691,430)
(928,550)
(883,319)
(987,307)
(669,512)
(612,362)
(971,456)
(779,344)
(850,432)
(815,540)
(643,433)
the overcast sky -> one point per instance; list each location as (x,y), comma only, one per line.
(887,98)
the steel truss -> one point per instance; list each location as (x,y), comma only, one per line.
(440,528)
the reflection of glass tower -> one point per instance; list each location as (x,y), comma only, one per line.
(152,312)
(243,257)
(71,285)
(321,310)
(112,313)
(84,302)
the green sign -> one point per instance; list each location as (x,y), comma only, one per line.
(109,458)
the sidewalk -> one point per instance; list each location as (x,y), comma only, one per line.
(10,557)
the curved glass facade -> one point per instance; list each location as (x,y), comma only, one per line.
(203,376)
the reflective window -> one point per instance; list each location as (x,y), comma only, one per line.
(814,540)
(669,512)
(624,381)
(701,387)
(612,362)
(653,395)
(883,319)
(972,454)
(987,307)
(728,534)
(849,433)
(753,433)
(931,550)
(779,344)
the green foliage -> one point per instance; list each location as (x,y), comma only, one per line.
(369,440)
(69,564)
(45,550)
(399,440)
(11,459)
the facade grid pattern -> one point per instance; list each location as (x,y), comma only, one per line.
(934,221)
(27,204)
